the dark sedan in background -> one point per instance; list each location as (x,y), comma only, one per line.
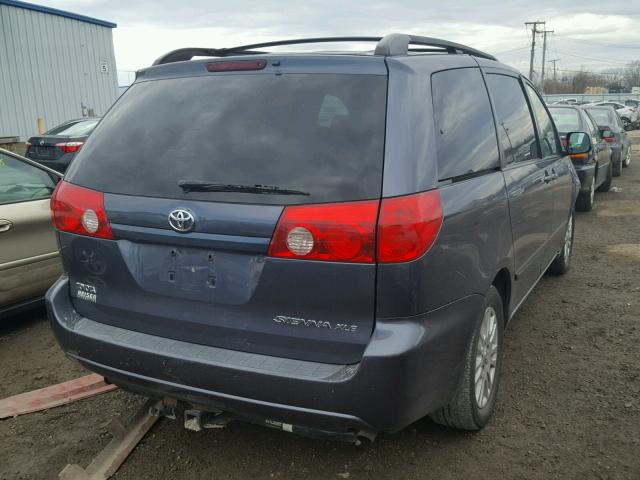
(609,121)
(595,168)
(57,147)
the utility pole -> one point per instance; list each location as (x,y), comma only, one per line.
(544,55)
(554,67)
(534,31)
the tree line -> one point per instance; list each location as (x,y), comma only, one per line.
(576,81)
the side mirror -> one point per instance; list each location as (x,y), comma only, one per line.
(578,142)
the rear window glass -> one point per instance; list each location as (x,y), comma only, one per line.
(566,119)
(318,134)
(465,132)
(604,118)
(75,129)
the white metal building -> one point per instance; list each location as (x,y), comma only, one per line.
(55,65)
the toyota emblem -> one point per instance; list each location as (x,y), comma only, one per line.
(182,220)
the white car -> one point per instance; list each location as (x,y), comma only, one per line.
(628,114)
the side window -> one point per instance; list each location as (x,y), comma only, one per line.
(20,182)
(548,138)
(465,132)
(515,125)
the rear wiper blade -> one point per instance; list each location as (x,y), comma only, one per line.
(199,186)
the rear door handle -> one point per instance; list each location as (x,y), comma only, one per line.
(5,226)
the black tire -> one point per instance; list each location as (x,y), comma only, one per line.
(464,411)
(626,123)
(606,186)
(584,203)
(617,166)
(562,262)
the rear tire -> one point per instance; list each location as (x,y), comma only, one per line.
(474,400)
(607,183)
(617,166)
(626,124)
(584,203)
(561,264)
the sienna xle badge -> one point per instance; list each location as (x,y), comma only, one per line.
(321,243)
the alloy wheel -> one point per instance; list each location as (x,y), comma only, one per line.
(486,358)
(568,240)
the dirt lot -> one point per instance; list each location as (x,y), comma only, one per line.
(569,405)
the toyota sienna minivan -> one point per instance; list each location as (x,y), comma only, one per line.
(329,244)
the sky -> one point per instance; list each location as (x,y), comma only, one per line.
(592,35)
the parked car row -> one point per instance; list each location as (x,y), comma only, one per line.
(611,150)
(628,110)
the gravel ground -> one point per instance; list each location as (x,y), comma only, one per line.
(569,405)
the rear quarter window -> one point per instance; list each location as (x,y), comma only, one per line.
(515,125)
(464,128)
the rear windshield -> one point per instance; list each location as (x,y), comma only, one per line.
(604,118)
(75,129)
(566,119)
(322,135)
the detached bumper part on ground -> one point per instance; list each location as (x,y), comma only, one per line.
(409,369)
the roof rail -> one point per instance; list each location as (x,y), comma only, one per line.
(394,44)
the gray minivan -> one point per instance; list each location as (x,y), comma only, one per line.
(328,244)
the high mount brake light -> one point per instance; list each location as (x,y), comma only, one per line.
(346,232)
(236,65)
(79,210)
(70,147)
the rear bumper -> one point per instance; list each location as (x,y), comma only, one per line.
(410,368)
(585,174)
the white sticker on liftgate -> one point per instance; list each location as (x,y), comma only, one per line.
(87,292)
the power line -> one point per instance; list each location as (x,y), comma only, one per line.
(601,44)
(593,59)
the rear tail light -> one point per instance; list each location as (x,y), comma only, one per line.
(337,232)
(79,210)
(579,157)
(408,226)
(70,147)
(346,232)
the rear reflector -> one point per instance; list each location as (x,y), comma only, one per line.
(79,210)
(335,232)
(237,65)
(70,147)
(408,226)
(346,232)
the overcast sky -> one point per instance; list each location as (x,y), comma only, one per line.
(595,35)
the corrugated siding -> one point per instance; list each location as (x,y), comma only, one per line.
(49,68)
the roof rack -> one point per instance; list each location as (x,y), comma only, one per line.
(394,44)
